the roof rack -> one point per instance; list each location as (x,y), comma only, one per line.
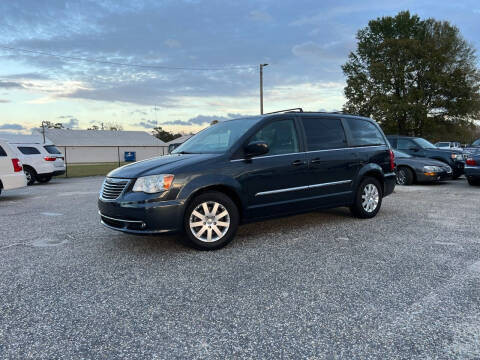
(287,110)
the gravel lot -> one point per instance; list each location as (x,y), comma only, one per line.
(321,286)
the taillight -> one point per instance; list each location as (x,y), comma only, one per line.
(471,162)
(17,165)
(49,158)
(392,160)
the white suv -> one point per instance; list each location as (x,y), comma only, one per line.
(40,161)
(11,174)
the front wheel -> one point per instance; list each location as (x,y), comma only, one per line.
(368,199)
(404,176)
(211,221)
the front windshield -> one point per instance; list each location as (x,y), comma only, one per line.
(216,138)
(400,154)
(425,144)
(476,143)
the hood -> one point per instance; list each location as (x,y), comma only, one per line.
(420,161)
(445,151)
(166,164)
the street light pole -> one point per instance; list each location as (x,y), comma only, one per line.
(261,87)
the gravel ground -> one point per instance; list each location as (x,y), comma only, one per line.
(323,285)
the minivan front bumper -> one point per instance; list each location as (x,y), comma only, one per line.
(142,217)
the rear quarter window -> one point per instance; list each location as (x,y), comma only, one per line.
(52,149)
(28,150)
(2,152)
(364,133)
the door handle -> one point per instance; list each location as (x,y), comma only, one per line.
(315,161)
(298,162)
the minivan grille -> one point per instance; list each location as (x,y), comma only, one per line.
(113,188)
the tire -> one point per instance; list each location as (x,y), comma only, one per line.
(368,208)
(30,174)
(473,182)
(204,236)
(404,176)
(44,179)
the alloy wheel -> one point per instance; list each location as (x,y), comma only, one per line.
(370,198)
(401,177)
(209,221)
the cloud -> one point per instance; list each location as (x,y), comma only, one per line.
(202,119)
(147,124)
(28,76)
(333,51)
(72,122)
(12,127)
(11,85)
(172,43)
(4,101)
(259,15)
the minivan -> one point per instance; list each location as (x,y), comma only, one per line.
(251,169)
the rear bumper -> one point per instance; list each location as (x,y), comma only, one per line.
(142,217)
(389,183)
(13,181)
(472,172)
(58,172)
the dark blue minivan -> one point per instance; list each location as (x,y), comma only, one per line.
(251,169)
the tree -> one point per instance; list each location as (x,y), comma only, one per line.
(51,125)
(214,122)
(164,135)
(413,76)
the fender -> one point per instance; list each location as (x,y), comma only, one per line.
(205,181)
(369,168)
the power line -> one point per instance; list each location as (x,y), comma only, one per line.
(160,67)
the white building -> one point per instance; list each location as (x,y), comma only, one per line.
(104,146)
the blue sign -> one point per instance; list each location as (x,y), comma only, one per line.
(130,156)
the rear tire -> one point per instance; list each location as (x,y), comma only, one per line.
(30,175)
(473,182)
(404,176)
(44,179)
(211,221)
(368,199)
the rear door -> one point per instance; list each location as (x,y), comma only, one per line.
(30,156)
(332,164)
(277,181)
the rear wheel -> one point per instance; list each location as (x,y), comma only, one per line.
(211,221)
(44,179)
(474,182)
(368,199)
(30,175)
(404,176)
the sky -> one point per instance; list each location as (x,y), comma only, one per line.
(195,61)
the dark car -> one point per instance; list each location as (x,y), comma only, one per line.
(473,147)
(251,169)
(412,169)
(472,168)
(420,147)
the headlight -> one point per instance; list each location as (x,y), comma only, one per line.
(153,184)
(432,169)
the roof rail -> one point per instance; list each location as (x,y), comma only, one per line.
(287,110)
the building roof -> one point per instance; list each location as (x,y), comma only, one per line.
(67,137)
(24,139)
(180,140)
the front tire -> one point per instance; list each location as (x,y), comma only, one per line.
(368,199)
(473,182)
(30,175)
(211,221)
(404,176)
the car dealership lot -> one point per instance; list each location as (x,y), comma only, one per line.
(319,285)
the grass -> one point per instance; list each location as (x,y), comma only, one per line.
(79,170)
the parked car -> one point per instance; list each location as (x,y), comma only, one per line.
(420,147)
(40,161)
(475,146)
(251,169)
(454,145)
(412,169)
(11,171)
(472,168)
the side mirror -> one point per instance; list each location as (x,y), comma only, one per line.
(256,148)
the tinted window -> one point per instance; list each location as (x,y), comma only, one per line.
(424,143)
(27,150)
(476,142)
(364,133)
(406,144)
(2,152)
(280,136)
(52,149)
(324,134)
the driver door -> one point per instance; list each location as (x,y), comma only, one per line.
(277,181)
